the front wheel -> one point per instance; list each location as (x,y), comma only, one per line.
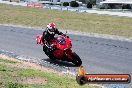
(76,59)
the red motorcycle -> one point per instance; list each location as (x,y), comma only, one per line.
(62,49)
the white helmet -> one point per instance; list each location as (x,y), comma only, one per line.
(51,28)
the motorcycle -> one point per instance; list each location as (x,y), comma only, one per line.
(62,49)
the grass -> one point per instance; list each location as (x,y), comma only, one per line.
(7,61)
(11,76)
(113,25)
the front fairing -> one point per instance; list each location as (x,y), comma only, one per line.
(63,48)
(66,45)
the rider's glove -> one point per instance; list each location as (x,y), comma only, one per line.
(65,35)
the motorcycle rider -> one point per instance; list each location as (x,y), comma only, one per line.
(48,35)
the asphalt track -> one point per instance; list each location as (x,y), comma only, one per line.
(98,55)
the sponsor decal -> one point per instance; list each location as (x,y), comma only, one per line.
(82,78)
(35,5)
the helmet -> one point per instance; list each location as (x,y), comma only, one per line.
(51,28)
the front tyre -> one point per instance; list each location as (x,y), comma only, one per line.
(76,59)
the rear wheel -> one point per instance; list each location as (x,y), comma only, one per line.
(76,59)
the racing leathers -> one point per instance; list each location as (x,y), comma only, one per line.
(46,38)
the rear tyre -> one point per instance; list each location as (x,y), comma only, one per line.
(76,59)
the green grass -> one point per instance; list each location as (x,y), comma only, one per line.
(10,76)
(7,61)
(113,25)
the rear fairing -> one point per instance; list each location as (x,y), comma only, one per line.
(38,40)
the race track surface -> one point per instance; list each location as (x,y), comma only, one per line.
(98,55)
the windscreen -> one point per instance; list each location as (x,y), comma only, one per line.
(60,40)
